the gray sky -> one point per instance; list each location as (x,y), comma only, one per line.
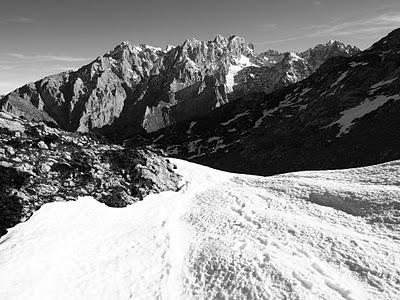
(43,37)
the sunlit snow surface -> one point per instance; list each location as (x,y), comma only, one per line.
(307,235)
(234,69)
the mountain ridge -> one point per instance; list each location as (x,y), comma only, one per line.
(332,119)
(132,89)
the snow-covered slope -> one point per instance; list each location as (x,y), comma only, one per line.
(307,235)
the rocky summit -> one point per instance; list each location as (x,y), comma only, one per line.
(133,89)
(41,164)
(344,115)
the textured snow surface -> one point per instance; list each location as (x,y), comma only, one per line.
(306,235)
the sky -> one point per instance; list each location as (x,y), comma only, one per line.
(44,37)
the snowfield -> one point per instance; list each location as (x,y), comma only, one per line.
(306,235)
(234,69)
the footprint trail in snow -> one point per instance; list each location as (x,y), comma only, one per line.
(306,235)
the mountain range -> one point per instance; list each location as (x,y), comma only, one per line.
(133,89)
(91,207)
(343,115)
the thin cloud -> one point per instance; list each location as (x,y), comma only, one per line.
(316,3)
(8,86)
(61,68)
(30,67)
(18,19)
(270,25)
(38,58)
(6,67)
(387,19)
(381,23)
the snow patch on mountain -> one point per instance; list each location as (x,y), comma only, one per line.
(295,57)
(155,49)
(350,115)
(192,124)
(305,91)
(380,84)
(192,64)
(341,77)
(354,64)
(238,116)
(238,65)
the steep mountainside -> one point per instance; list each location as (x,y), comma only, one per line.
(141,88)
(344,115)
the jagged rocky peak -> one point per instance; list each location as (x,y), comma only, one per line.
(128,51)
(121,50)
(314,56)
(220,40)
(239,46)
(136,87)
(292,56)
(334,45)
(322,52)
(126,45)
(169,48)
(349,105)
(269,57)
(233,45)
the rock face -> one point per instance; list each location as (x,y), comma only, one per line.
(316,56)
(276,70)
(40,164)
(344,115)
(132,89)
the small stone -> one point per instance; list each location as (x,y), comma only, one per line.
(45,168)
(42,145)
(59,199)
(26,167)
(5,164)
(67,156)
(9,150)
(17,159)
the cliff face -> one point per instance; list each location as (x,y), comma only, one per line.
(132,89)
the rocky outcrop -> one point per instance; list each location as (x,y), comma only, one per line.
(132,89)
(40,164)
(266,79)
(344,115)
(316,56)
(276,70)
